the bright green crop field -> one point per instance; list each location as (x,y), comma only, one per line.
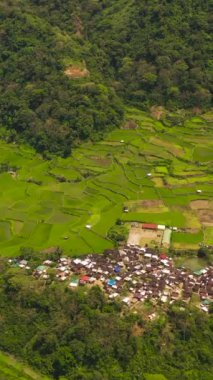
(11,369)
(50,203)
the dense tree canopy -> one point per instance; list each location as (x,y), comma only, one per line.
(144,52)
(159,51)
(38,101)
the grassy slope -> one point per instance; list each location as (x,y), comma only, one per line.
(11,369)
(102,178)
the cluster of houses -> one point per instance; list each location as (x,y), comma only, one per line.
(133,274)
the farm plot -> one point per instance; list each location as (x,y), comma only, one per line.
(5,231)
(187,240)
(154,171)
(203,154)
(139,236)
(208,236)
(152,206)
(175,218)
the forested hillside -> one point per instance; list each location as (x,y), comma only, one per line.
(46,107)
(159,52)
(78,335)
(67,67)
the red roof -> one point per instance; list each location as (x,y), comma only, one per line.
(149,226)
(84,278)
(163,256)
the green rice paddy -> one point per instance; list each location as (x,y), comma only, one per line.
(154,377)
(189,240)
(50,203)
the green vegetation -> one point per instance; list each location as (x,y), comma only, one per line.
(191,259)
(11,369)
(75,71)
(156,50)
(187,238)
(191,262)
(119,232)
(170,218)
(154,377)
(67,66)
(47,203)
(39,102)
(78,334)
(208,237)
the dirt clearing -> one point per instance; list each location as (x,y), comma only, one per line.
(139,236)
(157,112)
(201,205)
(206,217)
(76,72)
(204,211)
(151,203)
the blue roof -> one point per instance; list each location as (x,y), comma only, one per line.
(111,282)
(117,268)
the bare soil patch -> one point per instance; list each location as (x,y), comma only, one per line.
(139,236)
(101,161)
(130,124)
(157,112)
(50,250)
(76,72)
(134,236)
(151,237)
(206,217)
(152,203)
(201,205)
(137,330)
(147,203)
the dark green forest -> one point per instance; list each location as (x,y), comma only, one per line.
(144,53)
(79,335)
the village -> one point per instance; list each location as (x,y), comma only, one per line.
(132,274)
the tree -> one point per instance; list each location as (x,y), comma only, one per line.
(202,252)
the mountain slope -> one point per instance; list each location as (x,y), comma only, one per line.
(159,51)
(67,66)
(11,369)
(48,106)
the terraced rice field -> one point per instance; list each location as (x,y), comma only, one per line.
(49,203)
